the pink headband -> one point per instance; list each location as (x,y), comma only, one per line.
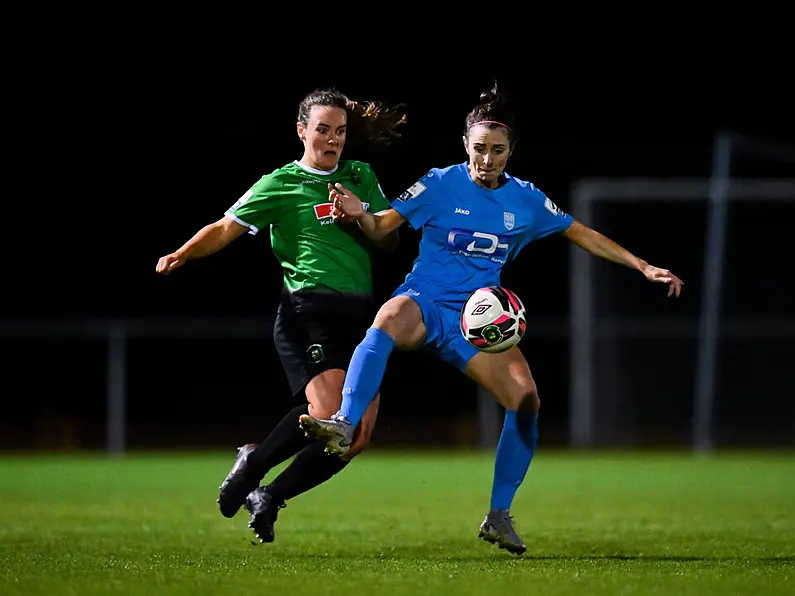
(490,122)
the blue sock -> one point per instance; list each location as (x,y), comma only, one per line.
(517,444)
(365,373)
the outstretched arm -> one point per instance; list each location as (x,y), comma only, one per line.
(601,246)
(210,239)
(381,228)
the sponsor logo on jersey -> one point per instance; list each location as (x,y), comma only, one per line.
(462,211)
(509,219)
(475,244)
(323,212)
(414,191)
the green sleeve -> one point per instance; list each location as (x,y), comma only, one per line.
(259,207)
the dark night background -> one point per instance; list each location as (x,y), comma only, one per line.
(125,170)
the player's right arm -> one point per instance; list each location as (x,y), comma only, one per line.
(209,240)
(255,210)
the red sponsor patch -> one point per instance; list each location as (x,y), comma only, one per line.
(323,211)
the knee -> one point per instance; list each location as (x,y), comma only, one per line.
(324,393)
(529,402)
(401,319)
(323,404)
(323,410)
(389,319)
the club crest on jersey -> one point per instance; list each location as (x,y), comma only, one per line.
(315,353)
(509,219)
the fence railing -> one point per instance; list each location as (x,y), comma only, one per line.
(117,332)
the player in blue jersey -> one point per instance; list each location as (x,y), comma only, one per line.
(474,218)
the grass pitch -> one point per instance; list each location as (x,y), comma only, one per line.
(403,523)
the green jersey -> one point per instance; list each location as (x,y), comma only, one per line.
(315,251)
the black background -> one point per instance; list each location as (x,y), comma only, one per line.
(121,164)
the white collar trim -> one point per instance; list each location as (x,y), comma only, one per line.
(315,171)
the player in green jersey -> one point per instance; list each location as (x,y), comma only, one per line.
(327,302)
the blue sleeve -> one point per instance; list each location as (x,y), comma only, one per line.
(548,218)
(421,201)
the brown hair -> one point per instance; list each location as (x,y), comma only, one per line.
(377,121)
(493,111)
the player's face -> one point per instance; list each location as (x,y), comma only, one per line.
(323,136)
(488,150)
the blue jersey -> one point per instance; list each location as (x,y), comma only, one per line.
(469,233)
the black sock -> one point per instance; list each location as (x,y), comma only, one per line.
(310,468)
(284,441)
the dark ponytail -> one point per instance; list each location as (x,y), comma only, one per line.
(374,120)
(493,110)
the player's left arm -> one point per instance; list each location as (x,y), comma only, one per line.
(376,226)
(378,207)
(391,240)
(602,246)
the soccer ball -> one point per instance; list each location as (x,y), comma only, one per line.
(493,319)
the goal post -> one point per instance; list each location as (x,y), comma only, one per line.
(586,326)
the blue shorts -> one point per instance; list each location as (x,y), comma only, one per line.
(444,337)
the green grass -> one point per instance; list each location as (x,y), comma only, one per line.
(403,523)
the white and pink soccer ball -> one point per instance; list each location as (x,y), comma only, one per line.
(493,319)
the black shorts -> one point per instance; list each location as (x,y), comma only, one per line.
(318,331)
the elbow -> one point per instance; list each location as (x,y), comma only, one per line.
(391,241)
(387,242)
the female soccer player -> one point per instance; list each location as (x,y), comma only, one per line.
(475,218)
(327,303)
